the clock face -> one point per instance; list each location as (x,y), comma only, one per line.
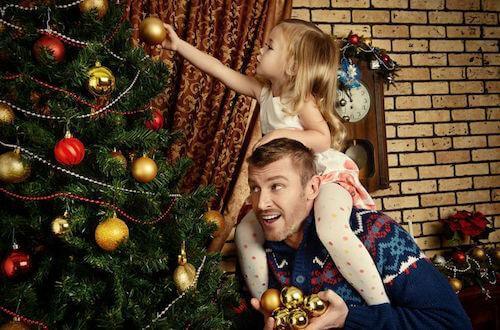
(354,104)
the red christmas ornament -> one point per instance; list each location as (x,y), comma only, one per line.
(353,39)
(156,122)
(458,256)
(386,58)
(53,46)
(16,263)
(69,151)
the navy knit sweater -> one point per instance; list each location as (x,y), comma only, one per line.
(420,296)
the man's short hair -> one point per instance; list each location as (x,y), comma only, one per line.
(302,157)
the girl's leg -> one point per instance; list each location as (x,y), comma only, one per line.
(249,240)
(332,210)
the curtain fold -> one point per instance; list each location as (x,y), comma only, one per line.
(216,121)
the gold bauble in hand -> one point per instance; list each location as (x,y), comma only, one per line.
(152,31)
(270,300)
(185,273)
(280,316)
(144,169)
(101,80)
(100,5)
(291,297)
(12,167)
(314,305)
(456,284)
(6,114)
(298,319)
(60,226)
(110,233)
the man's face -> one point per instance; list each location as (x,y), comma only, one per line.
(279,199)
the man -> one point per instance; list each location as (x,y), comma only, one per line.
(283,187)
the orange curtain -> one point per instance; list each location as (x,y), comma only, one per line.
(214,119)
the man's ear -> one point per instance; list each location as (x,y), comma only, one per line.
(313,187)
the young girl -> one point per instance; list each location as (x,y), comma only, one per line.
(299,66)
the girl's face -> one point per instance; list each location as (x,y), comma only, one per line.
(273,57)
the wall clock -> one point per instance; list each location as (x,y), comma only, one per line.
(353,104)
(362,110)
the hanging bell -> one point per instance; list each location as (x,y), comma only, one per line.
(185,273)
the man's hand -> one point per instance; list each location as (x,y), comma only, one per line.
(335,315)
(268,320)
(172,41)
(276,134)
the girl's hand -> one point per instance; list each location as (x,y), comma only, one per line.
(263,140)
(172,41)
(276,134)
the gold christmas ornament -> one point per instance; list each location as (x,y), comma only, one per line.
(280,316)
(144,169)
(185,273)
(314,305)
(456,284)
(270,300)
(291,297)
(212,216)
(6,114)
(152,31)
(110,233)
(478,253)
(101,80)
(298,319)
(2,27)
(14,325)
(100,5)
(119,157)
(60,225)
(13,169)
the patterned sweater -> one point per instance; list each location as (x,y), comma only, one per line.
(421,298)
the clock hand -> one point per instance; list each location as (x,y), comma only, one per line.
(349,95)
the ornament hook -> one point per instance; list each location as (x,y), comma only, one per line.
(182,258)
(48,19)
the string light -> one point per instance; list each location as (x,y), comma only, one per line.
(76,175)
(88,115)
(24,319)
(159,315)
(91,201)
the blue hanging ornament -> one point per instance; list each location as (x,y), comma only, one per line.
(349,74)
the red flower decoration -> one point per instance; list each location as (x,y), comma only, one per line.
(465,223)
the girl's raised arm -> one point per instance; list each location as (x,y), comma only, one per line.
(233,79)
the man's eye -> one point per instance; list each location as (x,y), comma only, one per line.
(255,189)
(277,186)
(269,46)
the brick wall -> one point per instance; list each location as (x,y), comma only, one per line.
(443,117)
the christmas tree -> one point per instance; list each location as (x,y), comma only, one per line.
(94,232)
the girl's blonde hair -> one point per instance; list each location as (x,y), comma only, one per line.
(313,58)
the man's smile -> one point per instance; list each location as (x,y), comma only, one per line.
(269,218)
